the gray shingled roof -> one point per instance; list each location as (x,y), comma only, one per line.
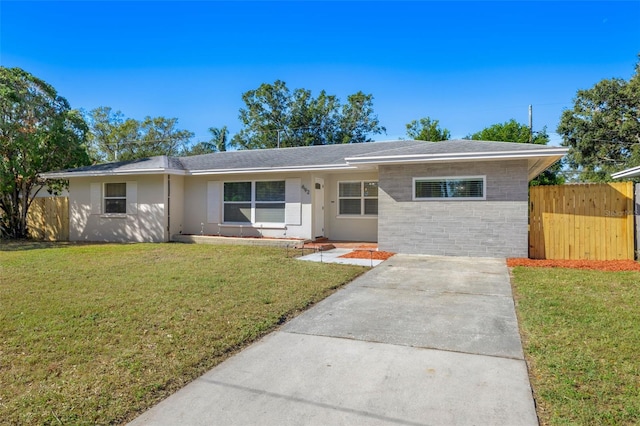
(302,157)
(287,157)
(160,162)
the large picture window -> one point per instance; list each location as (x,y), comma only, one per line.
(358,198)
(460,188)
(115,198)
(254,202)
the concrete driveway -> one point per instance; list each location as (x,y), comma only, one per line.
(418,340)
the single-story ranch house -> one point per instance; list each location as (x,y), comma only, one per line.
(456,197)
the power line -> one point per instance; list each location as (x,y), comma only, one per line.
(291,130)
(609,141)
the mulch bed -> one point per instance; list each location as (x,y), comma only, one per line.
(366,254)
(599,265)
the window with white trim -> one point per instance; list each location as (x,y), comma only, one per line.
(115,198)
(269,197)
(254,202)
(358,198)
(454,187)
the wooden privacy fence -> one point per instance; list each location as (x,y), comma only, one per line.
(582,221)
(48,219)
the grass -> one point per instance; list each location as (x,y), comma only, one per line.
(95,334)
(581,336)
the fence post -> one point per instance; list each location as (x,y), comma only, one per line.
(636,205)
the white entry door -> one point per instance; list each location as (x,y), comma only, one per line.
(318,203)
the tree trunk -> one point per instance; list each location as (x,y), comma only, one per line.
(14,216)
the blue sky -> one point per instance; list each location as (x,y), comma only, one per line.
(467,64)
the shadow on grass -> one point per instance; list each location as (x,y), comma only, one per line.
(21,245)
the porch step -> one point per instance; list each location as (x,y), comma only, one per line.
(316,245)
(321,240)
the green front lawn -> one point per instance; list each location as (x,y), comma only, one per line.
(581,335)
(95,334)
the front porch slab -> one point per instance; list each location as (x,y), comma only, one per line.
(250,241)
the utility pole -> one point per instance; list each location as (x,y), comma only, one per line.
(530,124)
(281,130)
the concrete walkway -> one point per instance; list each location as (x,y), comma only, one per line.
(416,341)
(333,256)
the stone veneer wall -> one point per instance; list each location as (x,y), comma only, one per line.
(495,227)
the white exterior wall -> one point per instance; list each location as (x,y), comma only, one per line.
(347,228)
(176,201)
(197,219)
(144,225)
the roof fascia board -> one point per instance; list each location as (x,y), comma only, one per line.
(68,175)
(632,172)
(272,170)
(456,157)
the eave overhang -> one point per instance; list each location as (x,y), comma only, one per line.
(327,167)
(102,173)
(538,160)
(627,173)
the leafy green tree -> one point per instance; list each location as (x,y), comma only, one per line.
(39,132)
(199,148)
(218,143)
(512,131)
(116,138)
(219,138)
(110,135)
(266,113)
(427,129)
(602,130)
(358,120)
(275,116)
(313,121)
(158,136)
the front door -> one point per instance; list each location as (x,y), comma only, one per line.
(318,203)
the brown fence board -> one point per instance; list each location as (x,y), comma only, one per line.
(48,219)
(583,221)
(581,235)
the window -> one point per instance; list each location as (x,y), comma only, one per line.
(237,202)
(115,198)
(254,202)
(270,202)
(461,188)
(358,198)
